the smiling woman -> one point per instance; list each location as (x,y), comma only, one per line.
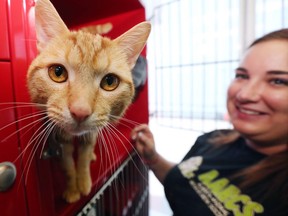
(257,98)
(241,171)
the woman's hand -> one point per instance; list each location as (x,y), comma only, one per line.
(145,144)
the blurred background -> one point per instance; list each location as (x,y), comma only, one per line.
(193,49)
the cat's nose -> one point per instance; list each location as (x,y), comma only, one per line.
(80,113)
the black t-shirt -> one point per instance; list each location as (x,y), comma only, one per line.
(202,185)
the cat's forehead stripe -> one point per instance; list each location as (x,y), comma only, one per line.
(86,40)
(86,48)
(95,52)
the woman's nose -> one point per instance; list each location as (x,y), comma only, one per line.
(250,92)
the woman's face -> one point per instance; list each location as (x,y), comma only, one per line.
(258,96)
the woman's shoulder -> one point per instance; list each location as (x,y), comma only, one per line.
(215,134)
(204,142)
(216,138)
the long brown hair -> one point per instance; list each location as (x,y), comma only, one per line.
(273,168)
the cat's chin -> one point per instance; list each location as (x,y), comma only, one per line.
(81,129)
(81,132)
(77,132)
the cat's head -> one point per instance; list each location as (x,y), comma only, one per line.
(84,80)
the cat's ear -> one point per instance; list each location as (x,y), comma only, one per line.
(48,23)
(133,41)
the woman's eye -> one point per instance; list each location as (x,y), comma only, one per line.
(58,73)
(241,76)
(110,82)
(279,82)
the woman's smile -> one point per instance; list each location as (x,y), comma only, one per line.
(257,99)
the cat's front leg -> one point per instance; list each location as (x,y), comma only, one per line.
(71,193)
(85,155)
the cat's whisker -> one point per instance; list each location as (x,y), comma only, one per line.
(127,140)
(50,130)
(134,123)
(112,152)
(113,157)
(22,103)
(16,105)
(113,143)
(30,158)
(42,130)
(100,141)
(112,148)
(122,120)
(29,142)
(127,125)
(103,146)
(33,125)
(34,113)
(41,138)
(22,119)
(109,131)
(113,132)
(111,126)
(24,127)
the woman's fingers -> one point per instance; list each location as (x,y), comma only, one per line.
(138,130)
(144,141)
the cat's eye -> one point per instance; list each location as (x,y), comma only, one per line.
(58,73)
(110,82)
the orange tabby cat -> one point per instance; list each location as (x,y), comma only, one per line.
(84,82)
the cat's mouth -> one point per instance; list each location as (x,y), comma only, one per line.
(79,129)
(77,132)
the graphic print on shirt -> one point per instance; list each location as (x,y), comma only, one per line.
(222,197)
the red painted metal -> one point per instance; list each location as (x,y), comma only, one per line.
(4,45)
(39,183)
(9,150)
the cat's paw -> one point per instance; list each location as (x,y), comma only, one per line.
(84,185)
(71,196)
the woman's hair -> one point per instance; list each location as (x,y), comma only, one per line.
(273,167)
(281,34)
